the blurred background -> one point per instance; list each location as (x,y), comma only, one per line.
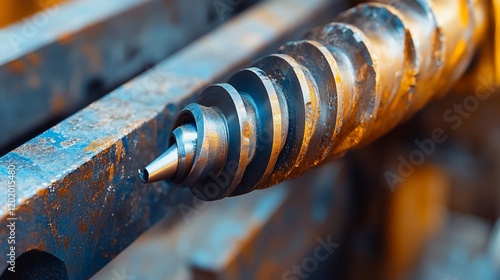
(396,209)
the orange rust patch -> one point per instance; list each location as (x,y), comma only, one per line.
(95,215)
(65,243)
(34,58)
(40,246)
(65,38)
(43,193)
(86,173)
(16,66)
(155,126)
(65,191)
(84,228)
(97,192)
(111,172)
(98,144)
(58,103)
(118,152)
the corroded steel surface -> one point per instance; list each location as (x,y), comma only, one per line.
(65,56)
(78,193)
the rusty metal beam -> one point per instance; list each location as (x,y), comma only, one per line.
(66,56)
(79,197)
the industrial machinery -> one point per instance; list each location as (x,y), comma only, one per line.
(346,84)
(360,140)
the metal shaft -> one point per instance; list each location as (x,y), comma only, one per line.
(344,85)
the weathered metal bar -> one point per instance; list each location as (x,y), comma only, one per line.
(64,57)
(258,236)
(78,193)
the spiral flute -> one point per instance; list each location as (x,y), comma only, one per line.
(344,85)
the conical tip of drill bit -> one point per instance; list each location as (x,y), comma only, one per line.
(162,168)
(144,175)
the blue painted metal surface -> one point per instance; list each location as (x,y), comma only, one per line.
(61,58)
(78,193)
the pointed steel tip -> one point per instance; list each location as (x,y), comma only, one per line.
(144,175)
(162,168)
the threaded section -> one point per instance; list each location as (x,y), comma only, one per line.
(346,84)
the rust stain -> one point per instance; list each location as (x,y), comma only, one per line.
(65,191)
(111,172)
(34,58)
(102,184)
(40,246)
(98,191)
(84,228)
(65,39)
(98,144)
(95,215)
(118,152)
(16,66)
(113,242)
(86,173)
(44,194)
(65,243)
(58,103)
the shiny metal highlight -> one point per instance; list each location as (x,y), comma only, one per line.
(346,84)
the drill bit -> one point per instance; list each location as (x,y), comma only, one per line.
(344,85)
